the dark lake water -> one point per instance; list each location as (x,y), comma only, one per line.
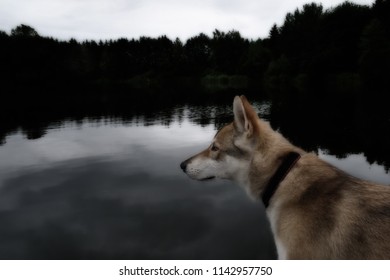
(108,187)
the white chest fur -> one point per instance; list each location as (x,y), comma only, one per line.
(273,216)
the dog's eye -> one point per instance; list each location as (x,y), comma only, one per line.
(214,148)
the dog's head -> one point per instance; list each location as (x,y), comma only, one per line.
(230,152)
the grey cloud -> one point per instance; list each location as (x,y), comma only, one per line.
(106,19)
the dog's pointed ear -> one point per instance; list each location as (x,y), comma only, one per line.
(245,117)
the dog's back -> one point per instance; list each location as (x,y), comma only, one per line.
(330,215)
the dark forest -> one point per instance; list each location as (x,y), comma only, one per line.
(338,53)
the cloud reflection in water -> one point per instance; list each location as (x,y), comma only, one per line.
(115,191)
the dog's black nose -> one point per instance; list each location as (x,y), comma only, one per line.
(183,165)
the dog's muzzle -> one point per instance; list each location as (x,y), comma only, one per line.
(183,166)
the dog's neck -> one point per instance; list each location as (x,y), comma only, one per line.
(287,164)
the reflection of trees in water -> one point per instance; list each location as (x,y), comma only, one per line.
(34,117)
(341,128)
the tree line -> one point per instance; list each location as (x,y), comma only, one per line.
(342,52)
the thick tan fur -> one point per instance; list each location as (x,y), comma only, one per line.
(317,211)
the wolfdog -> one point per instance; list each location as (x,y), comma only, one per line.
(316,211)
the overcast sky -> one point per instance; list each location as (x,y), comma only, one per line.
(111,19)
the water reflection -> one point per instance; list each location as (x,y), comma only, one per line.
(111,188)
(114,190)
